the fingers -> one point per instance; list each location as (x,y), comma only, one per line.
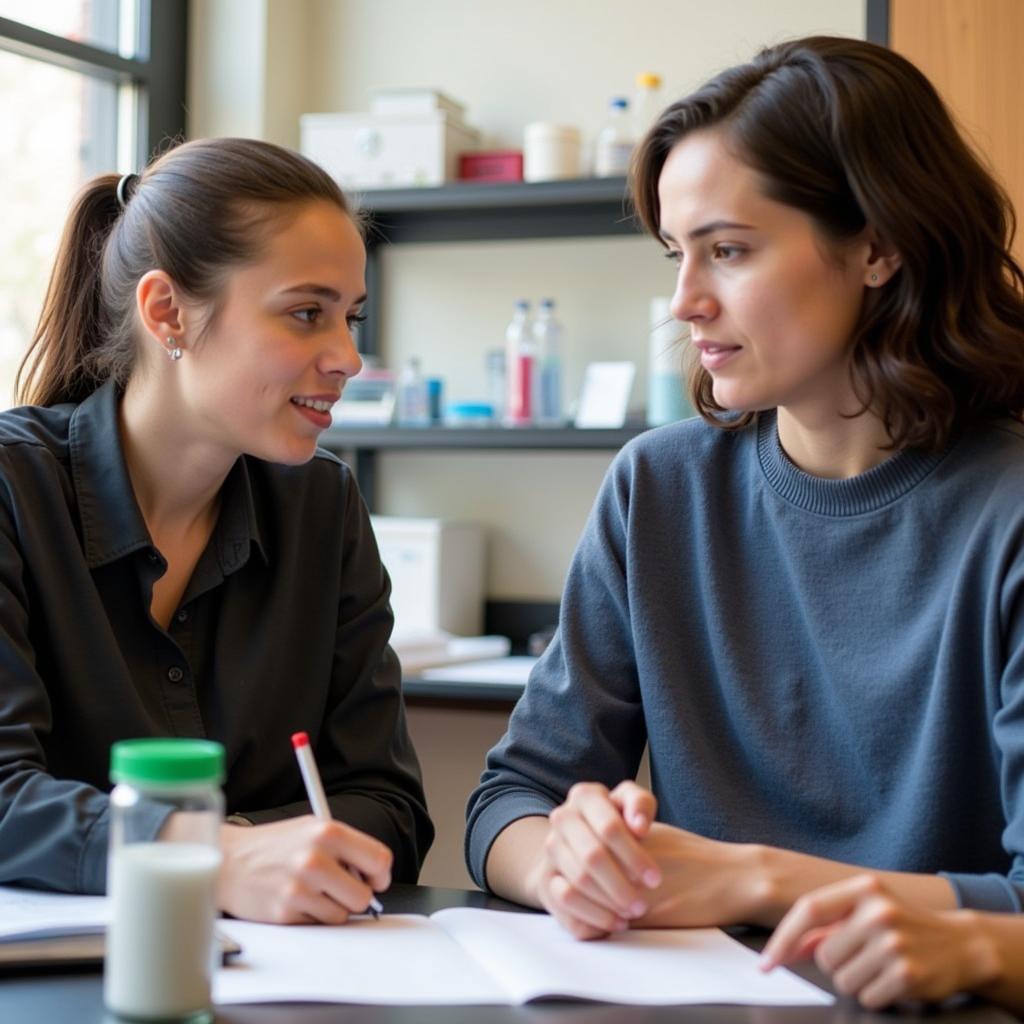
(580,916)
(352,848)
(301,870)
(596,868)
(637,805)
(604,817)
(823,907)
(582,858)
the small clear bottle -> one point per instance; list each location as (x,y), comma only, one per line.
(494,365)
(647,104)
(547,336)
(160,942)
(413,396)
(520,360)
(615,141)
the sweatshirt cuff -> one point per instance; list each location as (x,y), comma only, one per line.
(149,818)
(993,892)
(485,827)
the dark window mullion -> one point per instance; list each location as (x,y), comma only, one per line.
(164,26)
(69,53)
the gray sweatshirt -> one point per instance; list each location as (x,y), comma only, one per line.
(829,666)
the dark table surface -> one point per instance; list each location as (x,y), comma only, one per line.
(77,998)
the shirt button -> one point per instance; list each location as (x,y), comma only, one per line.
(183,615)
(175,674)
(153,557)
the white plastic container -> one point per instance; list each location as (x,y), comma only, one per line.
(550,152)
(437,574)
(647,104)
(387,150)
(615,141)
(160,942)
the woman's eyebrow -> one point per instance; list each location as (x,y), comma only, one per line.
(710,228)
(317,289)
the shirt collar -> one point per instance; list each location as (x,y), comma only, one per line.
(112,523)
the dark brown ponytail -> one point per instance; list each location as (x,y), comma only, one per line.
(196,211)
(70,323)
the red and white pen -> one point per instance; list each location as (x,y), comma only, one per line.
(318,798)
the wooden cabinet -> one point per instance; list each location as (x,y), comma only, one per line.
(973,51)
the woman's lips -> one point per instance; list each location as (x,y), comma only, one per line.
(714,355)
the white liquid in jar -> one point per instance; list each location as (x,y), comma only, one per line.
(159,943)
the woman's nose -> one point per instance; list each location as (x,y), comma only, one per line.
(692,298)
(343,357)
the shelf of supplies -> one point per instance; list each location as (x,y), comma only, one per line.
(470,211)
(523,438)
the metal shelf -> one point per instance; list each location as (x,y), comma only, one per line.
(469,211)
(521,438)
(465,211)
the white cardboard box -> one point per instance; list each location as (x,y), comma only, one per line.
(387,150)
(414,101)
(437,574)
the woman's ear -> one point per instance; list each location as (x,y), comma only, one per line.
(882,260)
(161,312)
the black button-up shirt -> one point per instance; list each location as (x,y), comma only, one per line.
(283,627)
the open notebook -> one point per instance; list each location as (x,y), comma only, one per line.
(48,930)
(493,957)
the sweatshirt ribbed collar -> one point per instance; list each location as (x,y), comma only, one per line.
(878,487)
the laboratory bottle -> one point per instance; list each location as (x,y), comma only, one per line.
(494,365)
(160,942)
(413,396)
(519,367)
(666,389)
(647,103)
(615,141)
(547,336)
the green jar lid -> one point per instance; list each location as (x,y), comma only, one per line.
(166,761)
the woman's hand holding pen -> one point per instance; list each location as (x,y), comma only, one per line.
(298,871)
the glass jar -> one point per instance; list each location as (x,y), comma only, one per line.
(160,942)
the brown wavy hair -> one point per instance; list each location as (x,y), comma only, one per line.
(195,212)
(853,134)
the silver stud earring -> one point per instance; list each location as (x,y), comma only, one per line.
(173,350)
(874,280)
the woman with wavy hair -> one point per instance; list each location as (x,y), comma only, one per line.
(808,603)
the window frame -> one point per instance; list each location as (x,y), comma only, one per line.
(158,72)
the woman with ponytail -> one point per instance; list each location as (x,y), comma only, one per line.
(178,558)
(807,604)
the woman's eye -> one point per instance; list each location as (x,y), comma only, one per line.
(672,255)
(725,253)
(308,316)
(356,318)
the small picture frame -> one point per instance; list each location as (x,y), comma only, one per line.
(604,397)
(368,399)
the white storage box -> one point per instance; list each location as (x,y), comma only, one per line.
(437,574)
(415,101)
(379,150)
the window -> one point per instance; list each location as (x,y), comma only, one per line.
(82,91)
